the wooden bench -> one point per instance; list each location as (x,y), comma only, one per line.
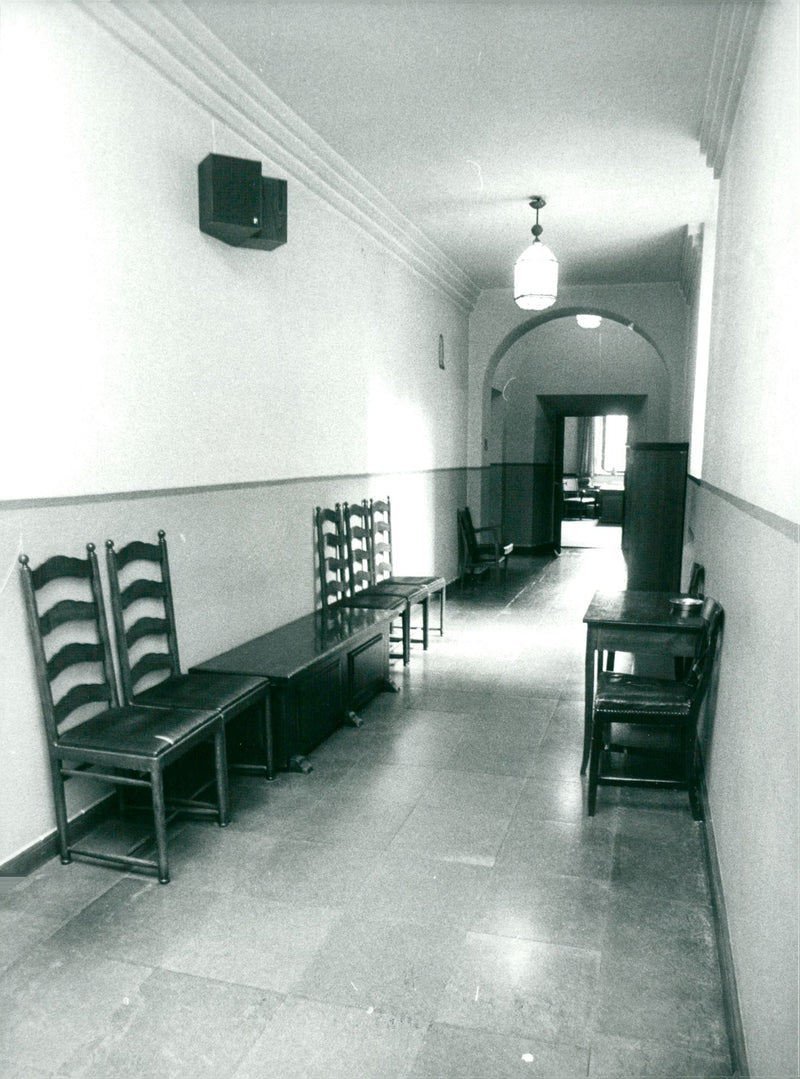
(321,668)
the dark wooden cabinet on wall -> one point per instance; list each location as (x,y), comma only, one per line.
(652,529)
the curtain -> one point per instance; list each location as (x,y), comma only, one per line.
(585,446)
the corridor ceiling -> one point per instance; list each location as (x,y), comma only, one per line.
(459,112)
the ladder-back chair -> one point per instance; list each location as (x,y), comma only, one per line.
(123,745)
(380,534)
(477,556)
(147,647)
(335,588)
(360,575)
(644,730)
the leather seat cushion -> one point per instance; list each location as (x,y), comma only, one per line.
(636,694)
(146,732)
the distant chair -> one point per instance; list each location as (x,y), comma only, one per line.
(644,730)
(579,498)
(126,746)
(476,556)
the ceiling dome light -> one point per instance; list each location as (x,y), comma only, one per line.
(588,322)
(536,270)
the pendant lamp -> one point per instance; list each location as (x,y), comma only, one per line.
(536,270)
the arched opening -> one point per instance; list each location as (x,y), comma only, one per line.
(542,371)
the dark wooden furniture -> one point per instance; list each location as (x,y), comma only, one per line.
(644,730)
(643,623)
(360,575)
(147,648)
(336,591)
(611,502)
(380,533)
(652,528)
(129,746)
(320,669)
(477,556)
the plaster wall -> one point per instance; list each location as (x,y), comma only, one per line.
(743,526)
(157,378)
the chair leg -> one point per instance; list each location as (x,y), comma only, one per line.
(425,623)
(406,623)
(221,769)
(441,610)
(594,764)
(60,806)
(159,817)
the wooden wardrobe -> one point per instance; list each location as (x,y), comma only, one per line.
(653,516)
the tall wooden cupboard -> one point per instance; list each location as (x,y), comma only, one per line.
(653,515)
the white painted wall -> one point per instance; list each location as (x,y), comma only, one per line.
(157,378)
(743,524)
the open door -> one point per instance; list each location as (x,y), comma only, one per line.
(558,477)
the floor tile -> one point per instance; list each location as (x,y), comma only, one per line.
(396,967)
(621,1058)
(175,1025)
(450,1052)
(530,988)
(521,902)
(311,1039)
(406,887)
(52,1007)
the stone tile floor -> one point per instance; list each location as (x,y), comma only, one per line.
(430,901)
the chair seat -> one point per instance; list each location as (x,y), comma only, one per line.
(659,697)
(134,731)
(431,583)
(390,586)
(217,692)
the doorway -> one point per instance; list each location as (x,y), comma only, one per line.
(593,480)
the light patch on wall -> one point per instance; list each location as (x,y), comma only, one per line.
(399,438)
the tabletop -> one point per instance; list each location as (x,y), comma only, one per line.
(640,610)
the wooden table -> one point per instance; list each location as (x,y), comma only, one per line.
(638,622)
(320,667)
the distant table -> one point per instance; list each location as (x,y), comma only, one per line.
(320,668)
(638,622)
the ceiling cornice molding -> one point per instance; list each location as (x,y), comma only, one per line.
(737,23)
(174,41)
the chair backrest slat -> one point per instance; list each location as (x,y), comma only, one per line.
(132,626)
(65,611)
(148,664)
(78,696)
(58,567)
(142,588)
(72,655)
(146,627)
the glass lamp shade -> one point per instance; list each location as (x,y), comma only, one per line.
(536,278)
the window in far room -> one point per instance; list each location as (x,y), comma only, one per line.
(610,439)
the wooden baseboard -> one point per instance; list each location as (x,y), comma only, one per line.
(44,849)
(733,1015)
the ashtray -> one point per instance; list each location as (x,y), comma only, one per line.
(686,605)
